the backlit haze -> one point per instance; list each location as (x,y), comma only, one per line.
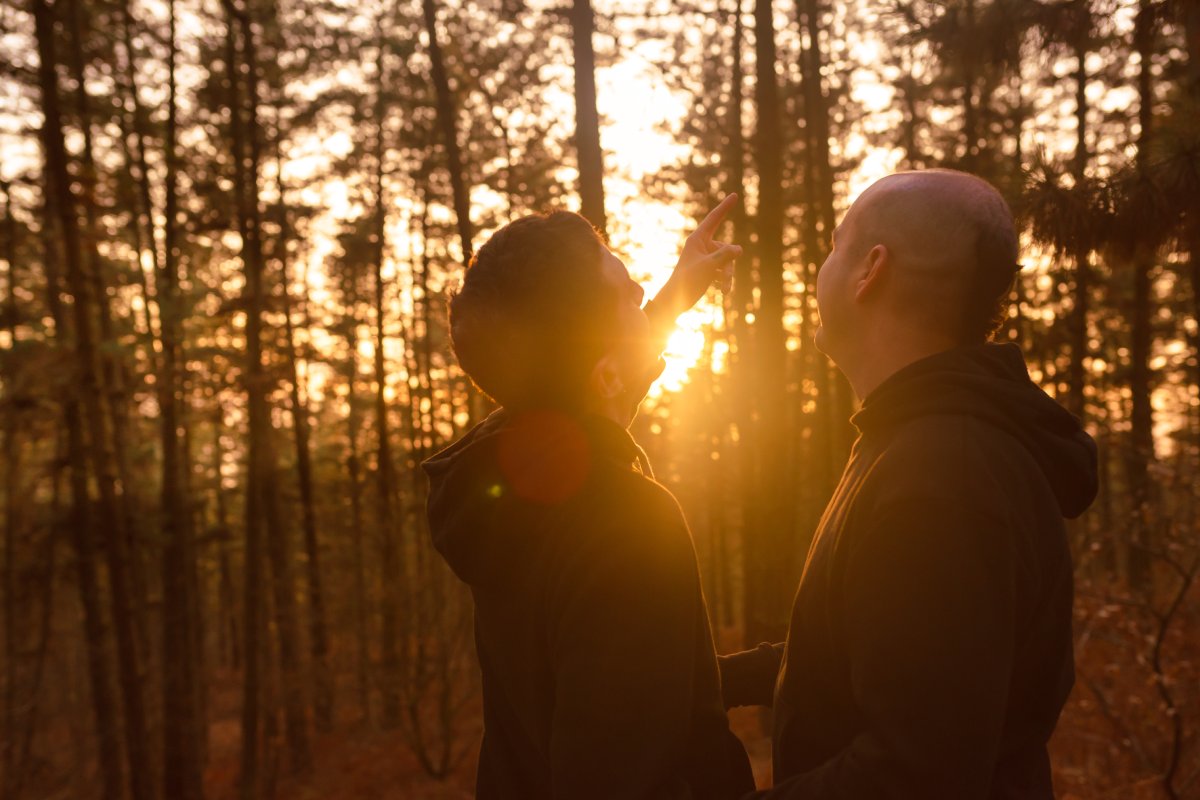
(639,111)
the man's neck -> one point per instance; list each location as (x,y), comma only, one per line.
(877,364)
(614,409)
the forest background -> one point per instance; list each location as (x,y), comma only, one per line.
(228,232)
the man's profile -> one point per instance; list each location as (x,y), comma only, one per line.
(600,678)
(929,651)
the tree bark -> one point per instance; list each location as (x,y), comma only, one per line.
(392,574)
(182,776)
(831,432)
(587,118)
(766,578)
(113,367)
(250,780)
(263,490)
(12,516)
(95,414)
(448,123)
(353,474)
(318,632)
(739,315)
(1142,337)
(144,212)
(1078,321)
(83,539)
(969,103)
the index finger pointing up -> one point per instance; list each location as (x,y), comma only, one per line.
(708,226)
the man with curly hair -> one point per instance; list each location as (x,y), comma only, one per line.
(600,677)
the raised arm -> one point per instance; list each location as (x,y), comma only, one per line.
(704,262)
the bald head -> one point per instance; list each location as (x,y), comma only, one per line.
(953,246)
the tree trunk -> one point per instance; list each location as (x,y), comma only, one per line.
(391,572)
(113,366)
(81,528)
(228,633)
(448,123)
(353,473)
(95,414)
(831,431)
(1078,321)
(587,119)
(318,636)
(265,473)
(970,109)
(766,578)
(144,211)
(257,460)
(740,313)
(12,516)
(26,652)
(1142,338)
(182,776)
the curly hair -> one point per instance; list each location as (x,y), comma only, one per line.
(534,312)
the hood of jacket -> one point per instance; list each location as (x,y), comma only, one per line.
(990,382)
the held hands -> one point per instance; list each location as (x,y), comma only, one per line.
(704,262)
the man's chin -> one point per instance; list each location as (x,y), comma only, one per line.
(632,413)
(819,339)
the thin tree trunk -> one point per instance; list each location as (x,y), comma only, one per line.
(740,314)
(113,369)
(80,526)
(92,391)
(1077,375)
(970,109)
(318,636)
(354,474)
(82,530)
(766,578)
(906,89)
(253,613)
(1142,338)
(448,123)
(264,475)
(228,634)
(21,693)
(21,743)
(587,119)
(145,210)
(181,753)
(12,516)
(830,435)
(392,574)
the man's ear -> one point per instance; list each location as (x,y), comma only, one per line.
(605,379)
(876,266)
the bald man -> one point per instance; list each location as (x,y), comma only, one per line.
(929,650)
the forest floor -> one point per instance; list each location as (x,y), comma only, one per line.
(379,765)
(1109,745)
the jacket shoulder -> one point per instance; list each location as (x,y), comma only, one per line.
(949,456)
(630,516)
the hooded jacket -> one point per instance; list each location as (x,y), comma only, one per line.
(600,677)
(929,651)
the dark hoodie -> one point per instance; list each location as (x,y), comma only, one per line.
(929,650)
(600,678)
